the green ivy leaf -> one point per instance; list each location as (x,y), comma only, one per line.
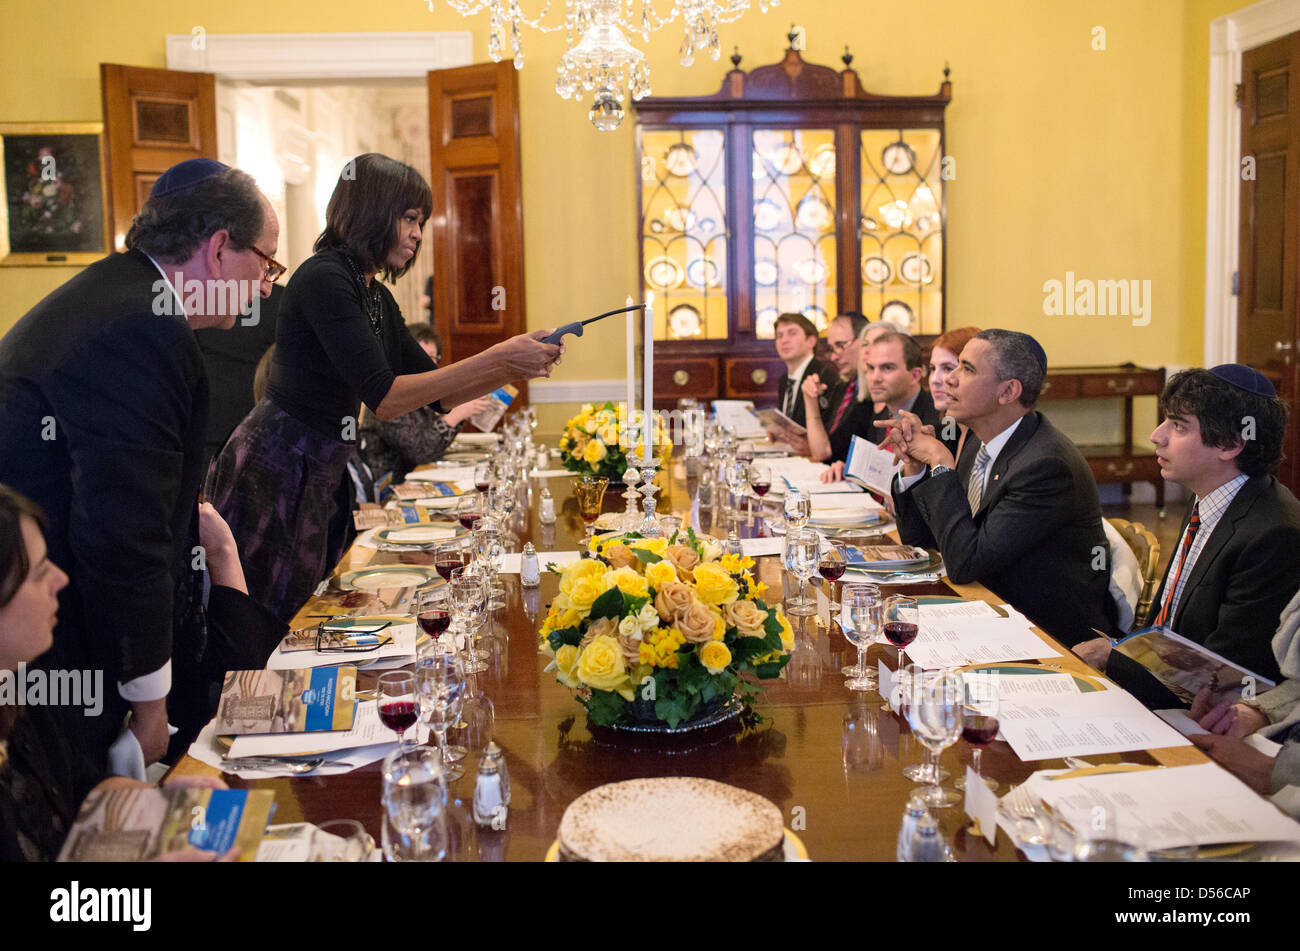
(772,668)
(568,635)
(605,708)
(609,604)
(645,557)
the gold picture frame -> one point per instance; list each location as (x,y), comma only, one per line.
(53,185)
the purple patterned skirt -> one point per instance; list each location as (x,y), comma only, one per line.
(276,484)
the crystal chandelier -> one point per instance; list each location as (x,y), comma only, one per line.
(599,59)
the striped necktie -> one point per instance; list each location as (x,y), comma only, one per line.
(1193,524)
(975,488)
(850,391)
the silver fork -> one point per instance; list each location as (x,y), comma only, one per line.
(1021,807)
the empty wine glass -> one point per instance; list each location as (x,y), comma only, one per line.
(469,597)
(397,703)
(861,604)
(934,712)
(979,720)
(928,770)
(414,800)
(801,549)
(1107,835)
(852,670)
(440,681)
(340,840)
(737,481)
(798,509)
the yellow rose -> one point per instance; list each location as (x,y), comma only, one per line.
(746,618)
(590,425)
(582,568)
(787,632)
(714,586)
(601,667)
(656,546)
(660,573)
(715,657)
(566,659)
(584,593)
(594,452)
(625,579)
(586,409)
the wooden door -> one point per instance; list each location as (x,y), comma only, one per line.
(153,118)
(477,224)
(1268,322)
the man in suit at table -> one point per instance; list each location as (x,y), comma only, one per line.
(1236,564)
(103,411)
(1019,512)
(796,342)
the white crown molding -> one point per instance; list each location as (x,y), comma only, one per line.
(289,57)
(577,391)
(1230,36)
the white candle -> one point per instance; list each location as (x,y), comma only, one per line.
(649,373)
(628,429)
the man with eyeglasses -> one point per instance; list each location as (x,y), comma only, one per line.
(103,412)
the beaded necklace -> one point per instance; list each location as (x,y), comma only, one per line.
(370,299)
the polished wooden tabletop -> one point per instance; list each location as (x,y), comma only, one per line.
(829,758)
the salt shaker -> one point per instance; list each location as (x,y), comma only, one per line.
(912,816)
(543,458)
(546,509)
(530,574)
(492,789)
(732,545)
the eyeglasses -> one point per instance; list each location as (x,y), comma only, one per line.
(274,269)
(839,346)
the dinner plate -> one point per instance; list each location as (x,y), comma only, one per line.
(814,214)
(765,272)
(876,271)
(419,535)
(767,215)
(684,321)
(899,158)
(702,272)
(765,322)
(680,159)
(663,273)
(477,439)
(898,312)
(896,214)
(788,159)
(822,163)
(846,518)
(915,268)
(793,847)
(389,576)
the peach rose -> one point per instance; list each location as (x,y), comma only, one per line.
(746,617)
(697,623)
(683,557)
(673,599)
(620,556)
(605,627)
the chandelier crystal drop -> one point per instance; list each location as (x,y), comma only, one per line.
(599,58)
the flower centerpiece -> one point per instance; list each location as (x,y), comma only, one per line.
(662,630)
(593,442)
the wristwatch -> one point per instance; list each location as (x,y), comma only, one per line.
(937,470)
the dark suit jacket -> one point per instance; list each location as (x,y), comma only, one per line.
(231,358)
(103,406)
(828,374)
(1034,539)
(1242,579)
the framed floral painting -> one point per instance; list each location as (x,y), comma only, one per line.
(53,179)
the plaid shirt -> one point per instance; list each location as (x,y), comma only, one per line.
(1210,509)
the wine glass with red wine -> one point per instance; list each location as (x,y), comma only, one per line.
(450,556)
(433,610)
(398,707)
(469,510)
(483,476)
(979,719)
(760,480)
(832,563)
(902,622)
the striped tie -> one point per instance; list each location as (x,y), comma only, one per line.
(975,488)
(850,391)
(1193,524)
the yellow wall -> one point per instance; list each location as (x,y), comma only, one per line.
(1068,159)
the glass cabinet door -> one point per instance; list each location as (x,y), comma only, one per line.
(684,231)
(794,226)
(900,228)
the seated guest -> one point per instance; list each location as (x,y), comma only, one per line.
(103,416)
(891,376)
(1274,713)
(945,354)
(844,337)
(231,358)
(1019,512)
(1235,566)
(40,771)
(398,445)
(796,342)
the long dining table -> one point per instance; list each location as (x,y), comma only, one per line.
(831,759)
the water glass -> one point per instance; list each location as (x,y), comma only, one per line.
(798,509)
(341,840)
(861,608)
(801,548)
(440,683)
(934,712)
(415,806)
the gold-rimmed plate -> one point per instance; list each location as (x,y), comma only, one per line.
(389,576)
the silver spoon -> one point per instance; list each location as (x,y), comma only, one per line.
(258,762)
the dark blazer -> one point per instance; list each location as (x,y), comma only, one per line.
(1233,599)
(103,408)
(1034,539)
(860,420)
(828,375)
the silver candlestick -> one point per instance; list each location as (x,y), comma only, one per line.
(650,525)
(631,517)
